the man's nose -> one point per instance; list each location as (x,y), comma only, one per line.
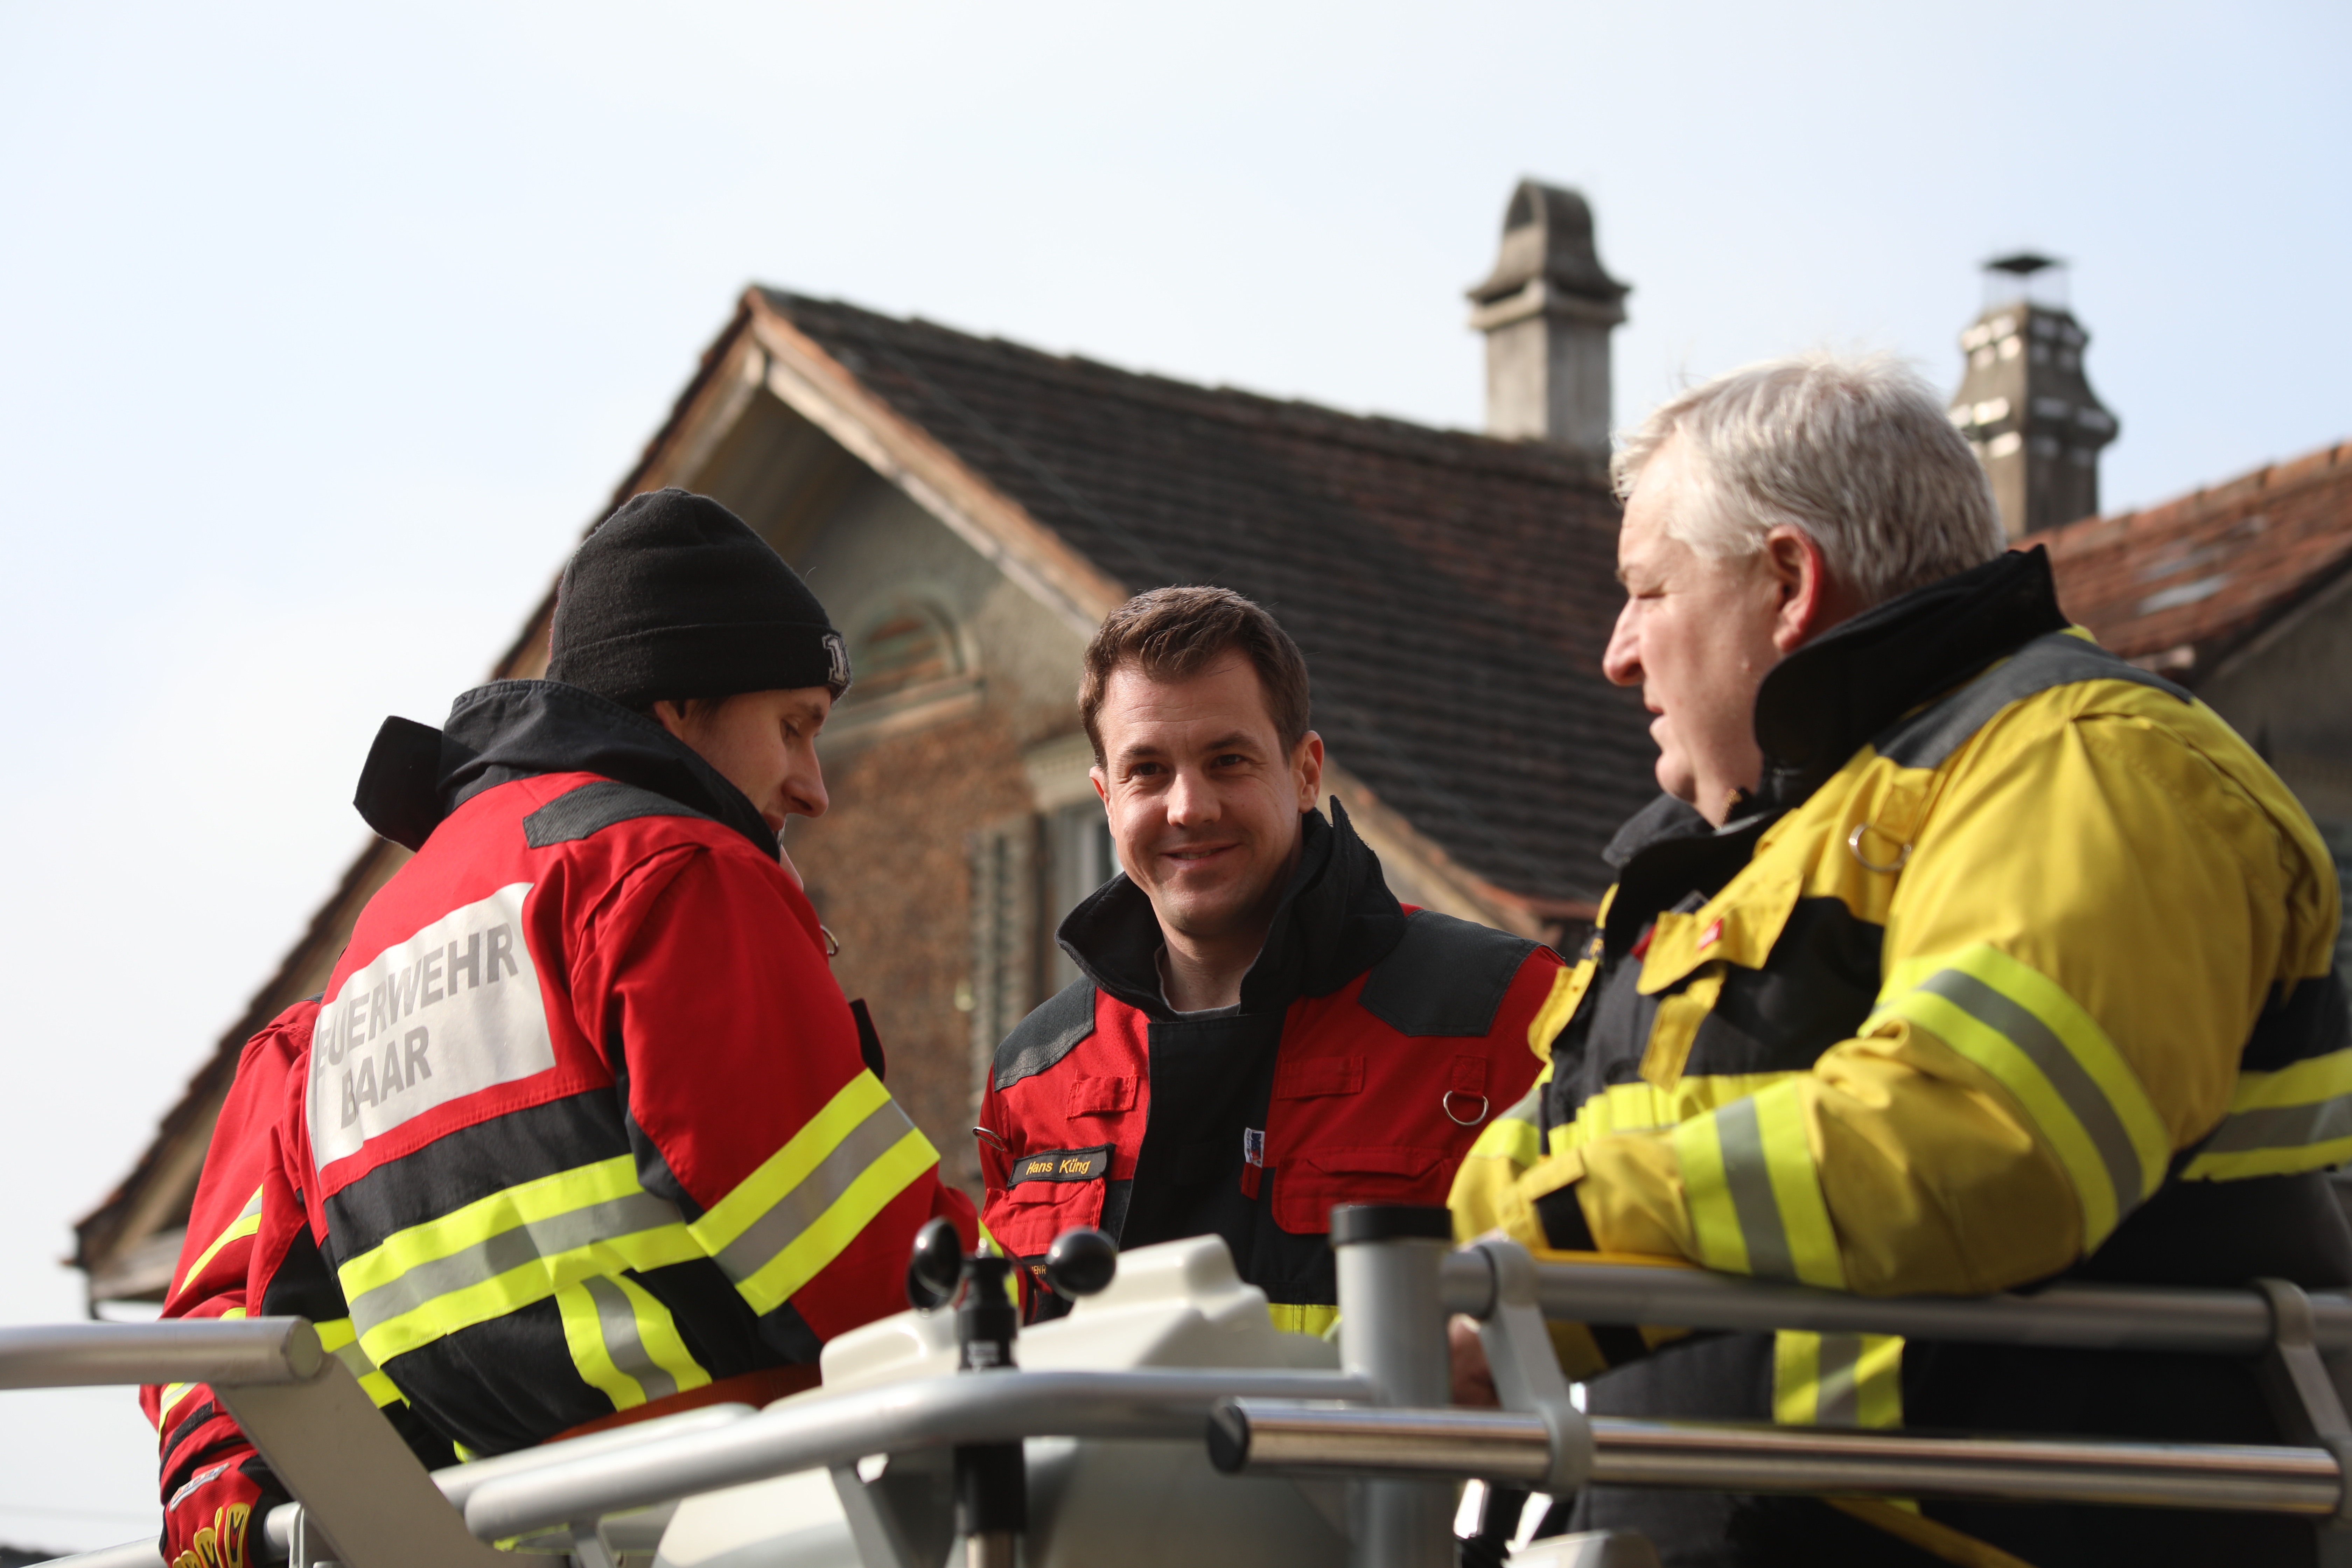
(1622,663)
(1191,801)
(804,790)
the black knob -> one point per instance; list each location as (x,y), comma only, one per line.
(1081,1262)
(936,1266)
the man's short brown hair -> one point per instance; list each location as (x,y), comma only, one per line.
(1175,634)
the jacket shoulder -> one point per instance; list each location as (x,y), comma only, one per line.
(586,810)
(1929,738)
(1047,1035)
(1448,977)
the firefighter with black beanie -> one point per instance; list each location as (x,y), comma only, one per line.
(581,1129)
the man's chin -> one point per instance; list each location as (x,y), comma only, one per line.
(1676,777)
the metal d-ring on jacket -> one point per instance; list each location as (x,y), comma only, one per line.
(2018,964)
(1370,1043)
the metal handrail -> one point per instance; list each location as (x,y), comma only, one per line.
(78,1355)
(1279,1438)
(822,1431)
(2071,1316)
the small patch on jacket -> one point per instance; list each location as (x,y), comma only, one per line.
(1063,1165)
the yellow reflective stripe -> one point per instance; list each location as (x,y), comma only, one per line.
(507,1251)
(1754,1197)
(1558,1006)
(623,1341)
(807,1202)
(247,1223)
(1837,1379)
(1515,1134)
(176,1392)
(1641,1107)
(339,1338)
(1706,1193)
(583,1336)
(2041,1047)
(783,1276)
(1296,1319)
(173,1393)
(2298,1118)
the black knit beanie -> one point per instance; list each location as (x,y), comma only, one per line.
(673,597)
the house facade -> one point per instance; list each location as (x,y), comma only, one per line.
(969,509)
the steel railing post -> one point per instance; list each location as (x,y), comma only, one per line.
(1392,1333)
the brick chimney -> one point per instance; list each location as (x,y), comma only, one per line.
(1546,310)
(2024,404)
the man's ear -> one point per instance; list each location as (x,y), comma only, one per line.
(1096,777)
(1806,597)
(1307,767)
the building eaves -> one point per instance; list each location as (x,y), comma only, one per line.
(2180,585)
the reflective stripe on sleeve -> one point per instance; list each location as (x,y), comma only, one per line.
(2296,1118)
(1754,1196)
(1516,1134)
(624,1341)
(1292,1318)
(339,1338)
(807,1202)
(247,1223)
(2039,1044)
(507,1251)
(1640,1107)
(1837,1379)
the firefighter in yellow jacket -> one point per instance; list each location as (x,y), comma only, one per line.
(1958,955)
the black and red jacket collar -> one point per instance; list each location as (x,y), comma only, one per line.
(416,775)
(1337,920)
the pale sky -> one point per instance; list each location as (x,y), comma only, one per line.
(324,333)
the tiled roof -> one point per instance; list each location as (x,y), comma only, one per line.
(1452,594)
(2177,586)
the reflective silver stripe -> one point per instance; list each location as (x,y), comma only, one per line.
(798,1209)
(2068,1077)
(616,1319)
(511,1249)
(2282,1127)
(1837,1390)
(1751,1183)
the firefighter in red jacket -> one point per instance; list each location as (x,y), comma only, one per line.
(1261,1030)
(582,1126)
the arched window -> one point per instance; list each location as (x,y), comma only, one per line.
(908,645)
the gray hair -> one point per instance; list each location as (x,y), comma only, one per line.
(1856,453)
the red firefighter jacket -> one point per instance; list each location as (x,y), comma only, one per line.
(1371,1043)
(584,1121)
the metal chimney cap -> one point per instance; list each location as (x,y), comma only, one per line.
(2024,264)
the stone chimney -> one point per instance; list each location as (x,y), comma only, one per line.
(1546,309)
(2024,404)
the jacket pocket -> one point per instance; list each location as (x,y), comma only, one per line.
(1053,1190)
(1306,1189)
(1098,1096)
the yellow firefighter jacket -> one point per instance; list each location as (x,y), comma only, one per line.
(2013,939)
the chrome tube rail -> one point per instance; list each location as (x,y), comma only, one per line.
(1280,1438)
(2064,1317)
(1376,1422)
(826,1431)
(78,1355)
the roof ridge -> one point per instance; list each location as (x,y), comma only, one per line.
(2281,475)
(1451,447)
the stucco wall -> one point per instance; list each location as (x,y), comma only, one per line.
(914,778)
